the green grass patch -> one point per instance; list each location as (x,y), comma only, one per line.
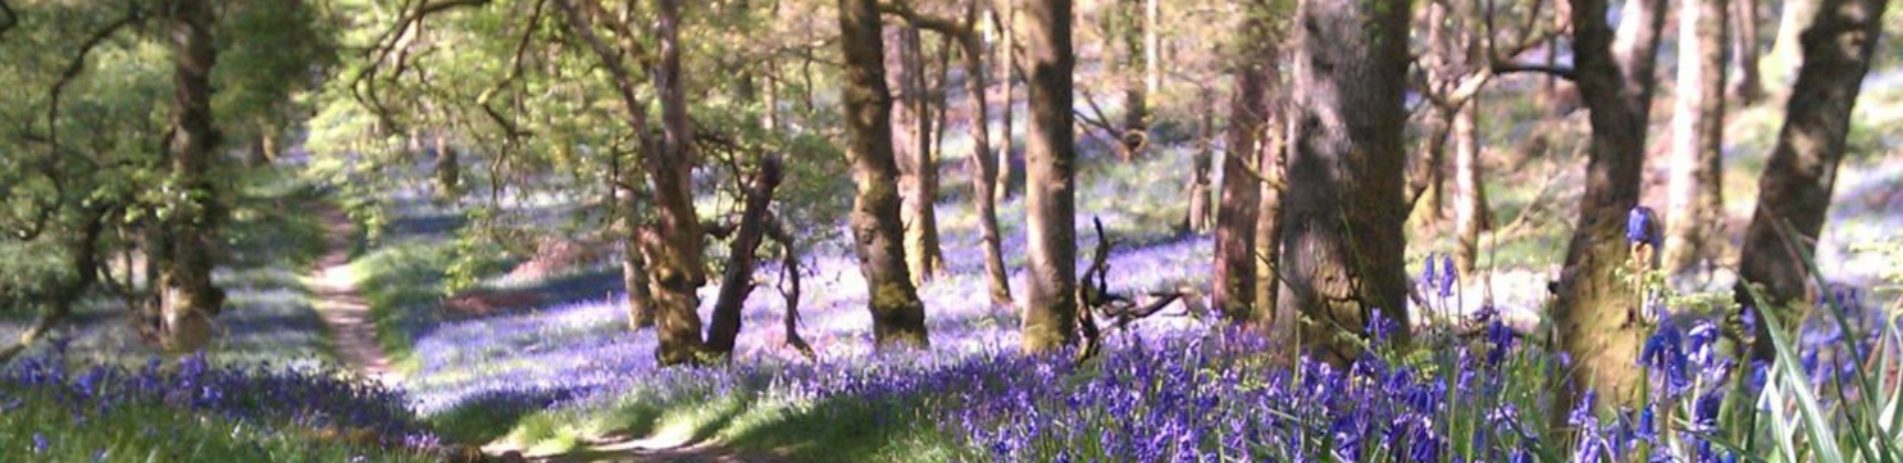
(38,427)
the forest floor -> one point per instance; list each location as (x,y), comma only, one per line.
(352,326)
(340,304)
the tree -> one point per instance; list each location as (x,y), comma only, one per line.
(1695,227)
(1785,54)
(188,299)
(736,282)
(1594,305)
(898,316)
(1197,189)
(1250,118)
(673,243)
(917,160)
(1794,192)
(1050,301)
(984,166)
(1748,88)
(1342,215)
(1136,32)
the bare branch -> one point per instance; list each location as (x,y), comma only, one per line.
(1562,72)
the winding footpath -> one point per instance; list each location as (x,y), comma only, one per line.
(353,330)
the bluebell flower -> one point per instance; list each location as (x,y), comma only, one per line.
(1639,226)
(1428,277)
(39,444)
(1582,414)
(1449,276)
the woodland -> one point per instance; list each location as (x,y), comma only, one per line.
(951,230)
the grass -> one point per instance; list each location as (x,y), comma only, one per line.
(39,427)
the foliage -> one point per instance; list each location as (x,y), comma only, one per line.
(191,411)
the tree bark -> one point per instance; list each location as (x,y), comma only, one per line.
(984,166)
(1152,47)
(634,266)
(1198,188)
(676,268)
(448,171)
(188,298)
(1695,222)
(1635,47)
(1748,88)
(898,317)
(737,282)
(1235,266)
(1268,218)
(1050,305)
(1595,306)
(917,164)
(1342,237)
(1470,195)
(1794,192)
(1136,110)
(1005,16)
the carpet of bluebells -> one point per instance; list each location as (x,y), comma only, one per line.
(1176,387)
(562,369)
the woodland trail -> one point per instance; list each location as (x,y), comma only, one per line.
(353,329)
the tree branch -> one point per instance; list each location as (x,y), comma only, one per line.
(78,64)
(8,18)
(1562,72)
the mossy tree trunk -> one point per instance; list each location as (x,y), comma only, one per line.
(188,299)
(1050,301)
(1596,306)
(898,316)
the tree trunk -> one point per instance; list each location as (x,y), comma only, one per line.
(917,172)
(676,266)
(984,167)
(1785,48)
(737,281)
(1695,221)
(634,266)
(1470,195)
(1136,110)
(1198,188)
(188,298)
(1005,16)
(1152,47)
(673,244)
(1748,88)
(268,145)
(1050,305)
(1268,219)
(1794,193)
(1635,47)
(1343,215)
(1234,292)
(448,171)
(898,317)
(1595,306)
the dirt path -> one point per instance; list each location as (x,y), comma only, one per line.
(353,330)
